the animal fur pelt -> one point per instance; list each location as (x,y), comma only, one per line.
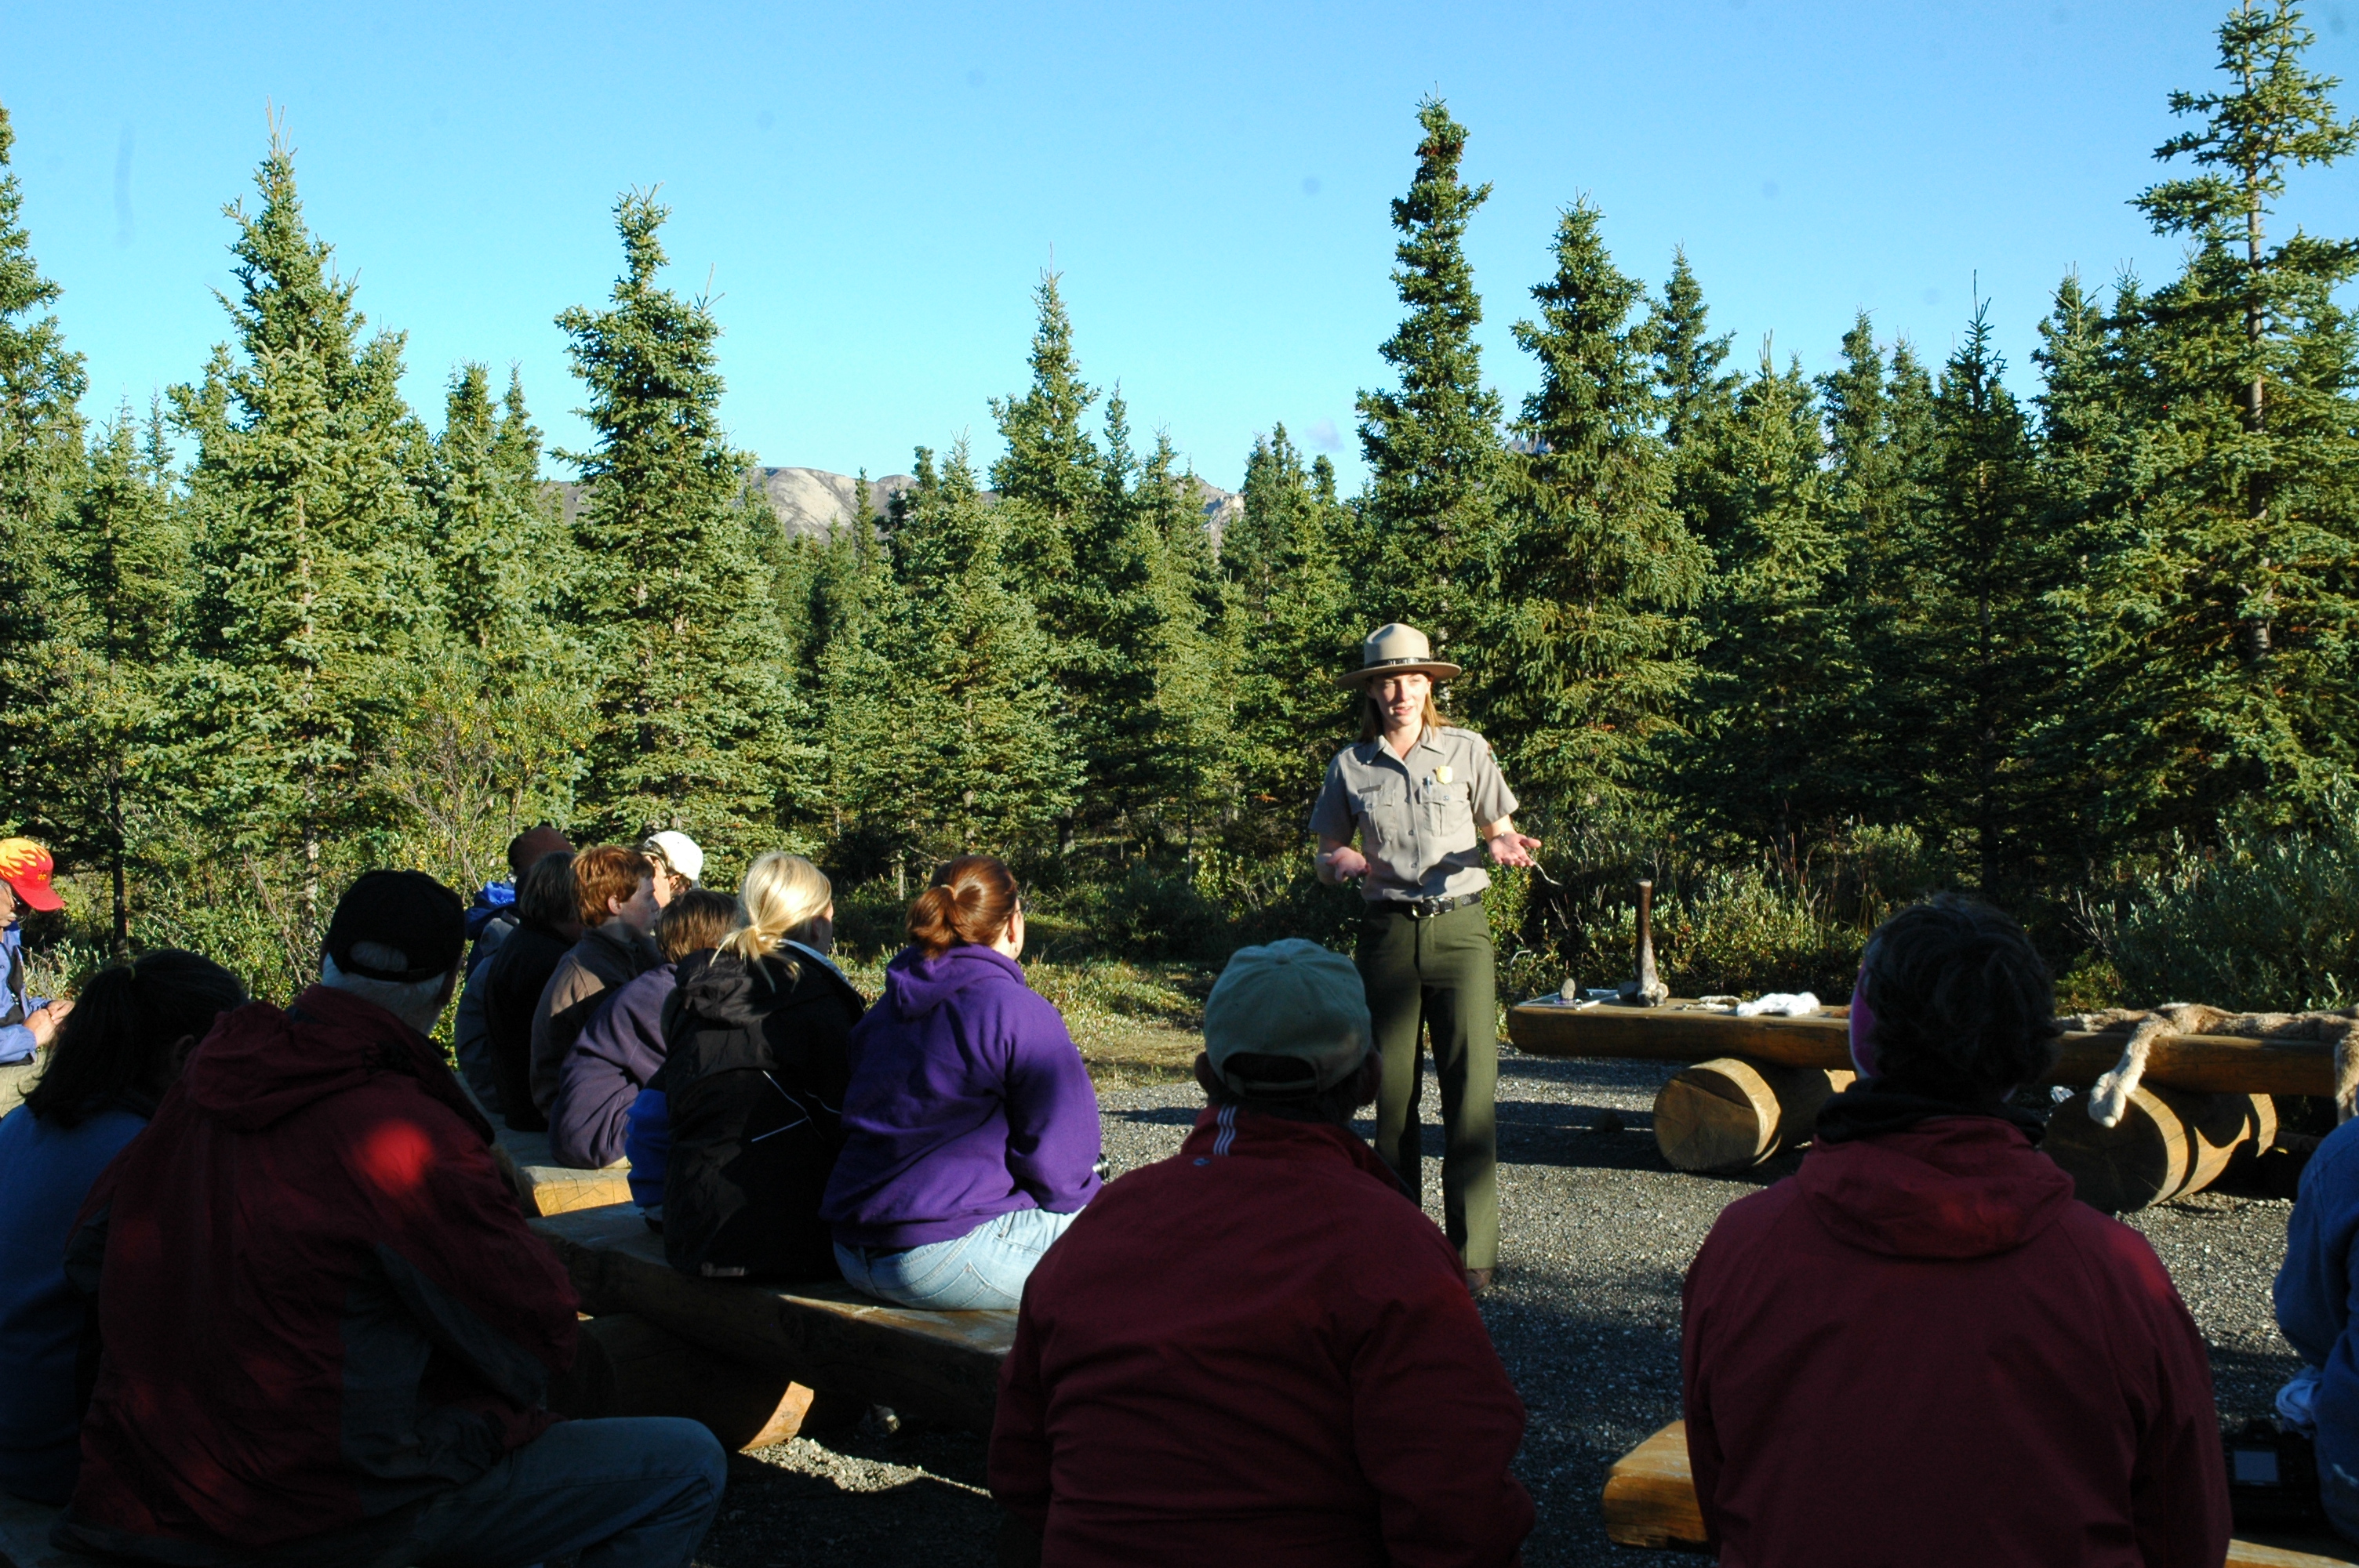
(2110,1094)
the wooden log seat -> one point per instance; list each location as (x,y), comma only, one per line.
(1681,1032)
(2168,1145)
(1650,1501)
(626,1365)
(943,1365)
(546,1187)
(1730,1114)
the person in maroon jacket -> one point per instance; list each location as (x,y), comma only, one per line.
(326,1335)
(1919,1348)
(1260,1351)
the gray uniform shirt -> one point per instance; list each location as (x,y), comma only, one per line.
(1416,816)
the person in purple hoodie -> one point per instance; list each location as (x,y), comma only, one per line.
(971,1129)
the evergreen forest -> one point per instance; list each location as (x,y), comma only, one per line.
(2082,636)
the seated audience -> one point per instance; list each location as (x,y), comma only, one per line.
(110,1065)
(622,1045)
(614,893)
(26,1022)
(1919,1348)
(489,920)
(678,858)
(754,1075)
(327,1334)
(2315,1289)
(971,1129)
(1259,1350)
(548,924)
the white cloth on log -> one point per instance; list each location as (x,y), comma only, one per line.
(1779,1004)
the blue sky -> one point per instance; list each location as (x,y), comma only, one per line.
(872,192)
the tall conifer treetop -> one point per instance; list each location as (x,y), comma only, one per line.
(42,383)
(1433,446)
(314,578)
(693,703)
(1594,641)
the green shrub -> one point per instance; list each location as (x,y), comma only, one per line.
(2258,923)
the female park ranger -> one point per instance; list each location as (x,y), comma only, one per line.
(1424,800)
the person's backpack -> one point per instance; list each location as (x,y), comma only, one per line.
(753,1076)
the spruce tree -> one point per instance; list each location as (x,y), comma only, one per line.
(1594,640)
(41,383)
(310,543)
(1983,646)
(504,560)
(693,716)
(1433,445)
(1878,432)
(1188,657)
(119,564)
(2225,668)
(1062,556)
(942,715)
(1296,628)
(1697,397)
(1778,670)
(495,712)
(1050,474)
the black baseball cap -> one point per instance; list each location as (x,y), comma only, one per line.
(407,911)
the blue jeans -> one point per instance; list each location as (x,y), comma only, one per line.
(633,1492)
(984,1270)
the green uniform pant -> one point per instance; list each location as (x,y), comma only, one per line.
(1433,977)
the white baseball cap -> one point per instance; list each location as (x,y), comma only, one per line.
(681,850)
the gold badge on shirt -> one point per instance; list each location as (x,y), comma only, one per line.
(1441,773)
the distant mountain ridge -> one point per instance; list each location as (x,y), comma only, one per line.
(811,502)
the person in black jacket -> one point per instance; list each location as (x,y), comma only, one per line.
(753,1076)
(514,977)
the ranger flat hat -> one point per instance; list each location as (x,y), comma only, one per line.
(1396,650)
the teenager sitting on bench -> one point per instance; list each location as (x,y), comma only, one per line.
(1919,1348)
(327,1334)
(971,1129)
(1259,1350)
(115,1055)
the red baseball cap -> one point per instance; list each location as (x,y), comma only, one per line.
(25,867)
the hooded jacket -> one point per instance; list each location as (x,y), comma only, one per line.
(512,979)
(752,1086)
(607,959)
(318,1301)
(1921,1350)
(1259,1351)
(967,1100)
(2316,1287)
(619,1050)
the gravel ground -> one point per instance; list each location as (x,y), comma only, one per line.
(1586,1316)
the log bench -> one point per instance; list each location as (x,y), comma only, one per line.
(1650,1501)
(1754,1085)
(942,1366)
(546,1187)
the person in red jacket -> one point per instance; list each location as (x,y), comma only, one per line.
(1260,1351)
(1919,1348)
(326,1335)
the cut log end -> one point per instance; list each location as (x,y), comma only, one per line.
(627,1365)
(1731,1114)
(2168,1143)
